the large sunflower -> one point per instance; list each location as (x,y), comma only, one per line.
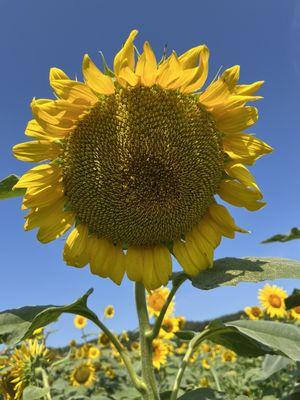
(134,158)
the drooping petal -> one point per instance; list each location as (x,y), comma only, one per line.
(226,224)
(241,173)
(238,119)
(238,195)
(75,250)
(245,148)
(39,177)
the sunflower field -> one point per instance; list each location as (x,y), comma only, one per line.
(94,369)
(137,167)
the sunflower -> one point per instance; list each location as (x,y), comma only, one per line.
(133,159)
(109,312)
(80,322)
(135,346)
(254,312)
(109,373)
(272,300)
(295,313)
(93,352)
(228,356)
(23,362)
(103,340)
(7,388)
(204,382)
(169,327)
(156,300)
(205,363)
(160,351)
(83,374)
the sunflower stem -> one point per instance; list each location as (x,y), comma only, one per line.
(157,325)
(145,343)
(182,368)
(45,379)
(216,378)
(137,382)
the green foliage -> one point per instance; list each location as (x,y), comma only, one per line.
(231,271)
(293,234)
(19,324)
(202,394)
(6,186)
(271,365)
(34,393)
(293,300)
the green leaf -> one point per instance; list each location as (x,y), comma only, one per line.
(20,323)
(254,338)
(293,234)
(271,365)
(34,393)
(185,335)
(231,271)
(293,300)
(6,186)
(279,337)
(202,394)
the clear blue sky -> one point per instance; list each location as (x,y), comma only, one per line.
(262,36)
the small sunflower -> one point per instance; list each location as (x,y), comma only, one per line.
(23,361)
(254,312)
(80,352)
(80,322)
(205,363)
(83,374)
(103,340)
(156,300)
(160,351)
(109,373)
(134,158)
(204,382)
(181,349)
(272,300)
(135,346)
(169,327)
(109,312)
(295,313)
(93,352)
(228,356)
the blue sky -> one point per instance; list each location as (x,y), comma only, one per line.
(261,36)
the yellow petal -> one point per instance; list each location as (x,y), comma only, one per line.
(231,76)
(209,231)
(221,216)
(169,71)
(127,76)
(75,250)
(245,147)
(197,81)
(238,195)
(35,130)
(38,150)
(97,81)
(249,90)
(238,119)
(182,255)
(146,67)
(134,263)
(162,264)
(73,91)
(190,58)
(126,53)
(42,197)
(39,177)
(241,173)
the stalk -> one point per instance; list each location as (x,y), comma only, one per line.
(145,344)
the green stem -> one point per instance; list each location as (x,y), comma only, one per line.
(45,381)
(145,343)
(137,382)
(216,379)
(181,370)
(157,325)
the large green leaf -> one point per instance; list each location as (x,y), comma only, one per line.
(254,338)
(6,186)
(34,393)
(293,234)
(271,365)
(271,337)
(231,271)
(293,300)
(20,323)
(202,394)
